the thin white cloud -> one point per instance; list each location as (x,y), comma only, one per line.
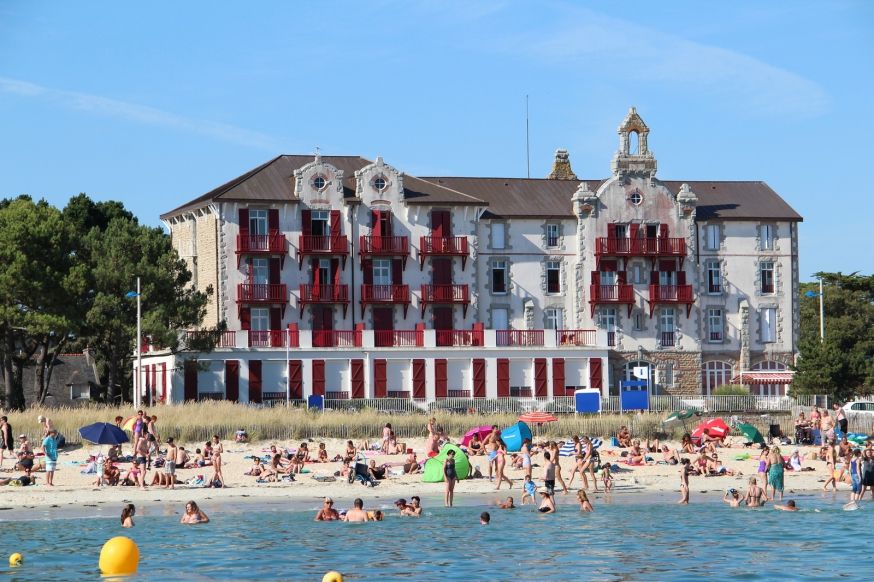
(607,45)
(137,113)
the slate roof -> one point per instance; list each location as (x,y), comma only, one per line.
(75,369)
(504,197)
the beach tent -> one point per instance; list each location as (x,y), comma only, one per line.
(433,472)
(483,431)
(514,435)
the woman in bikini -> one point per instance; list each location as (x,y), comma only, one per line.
(828,453)
(127,515)
(763,465)
(686,444)
(450,476)
(135,475)
(585,504)
(323,454)
(475,446)
(386,436)
(217,450)
(431,441)
(500,463)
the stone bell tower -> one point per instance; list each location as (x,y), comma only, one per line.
(633,156)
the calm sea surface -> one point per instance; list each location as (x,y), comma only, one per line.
(632,538)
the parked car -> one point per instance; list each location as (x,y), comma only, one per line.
(859,412)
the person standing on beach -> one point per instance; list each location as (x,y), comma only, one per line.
(450,476)
(217,450)
(500,463)
(841,417)
(50,448)
(139,425)
(685,469)
(141,454)
(775,473)
(491,447)
(170,465)
(526,456)
(6,441)
(554,453)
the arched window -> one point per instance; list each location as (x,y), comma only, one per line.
(628,374)
(633,143)
(769,389)
(714,375)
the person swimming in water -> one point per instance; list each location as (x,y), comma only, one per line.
(508,504)
(790,506)
(193,514)
(732,497)
(127,515)
(547,504)
(585,504)
(756,496)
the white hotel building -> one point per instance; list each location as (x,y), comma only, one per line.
(343,277)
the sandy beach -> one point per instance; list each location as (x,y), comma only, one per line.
(75,489)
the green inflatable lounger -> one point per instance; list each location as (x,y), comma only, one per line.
(433,472)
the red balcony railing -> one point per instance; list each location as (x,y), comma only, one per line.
(681,294)
(446,246)
(459,337)
(220,339)
(272,243)
(385,293)
(641,247)
(621,294)
(336,338)
(399,338)
(323,245)
(384,245)
(267,338)
(519,337)
(445,294)
(262,293)
(575,337)
(324,293)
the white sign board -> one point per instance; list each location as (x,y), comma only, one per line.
(640,372)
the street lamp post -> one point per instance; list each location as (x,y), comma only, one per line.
(139,375)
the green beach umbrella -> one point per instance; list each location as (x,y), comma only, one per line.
(750,432)
(681,415)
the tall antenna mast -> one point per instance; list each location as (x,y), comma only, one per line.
(527,139)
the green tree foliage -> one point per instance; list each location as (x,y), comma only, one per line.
(843,364)
(39,283)
(64,283)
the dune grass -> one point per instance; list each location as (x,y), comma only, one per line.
(197,422)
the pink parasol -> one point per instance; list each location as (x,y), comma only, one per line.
(482,431)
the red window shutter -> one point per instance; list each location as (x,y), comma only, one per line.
(654,277)
(397,271)
(558,387)
(379,378)
(163,382)
(386,220)
(634,229)
(273,219)
(595,373)
(503,378)
(336,271)
(621,277)
(440,378)
(306,217)
(295,379)
(681,277)
(663,231)
(316,266)
(190,387)
(479,378)
(367,265)
(245,318)
(375,223)
(596,277)
(277,334)
(319,377)
(336,231)
(232,380)
(540,386)
(419,379)
(357,373)
(244,221)
(611,231)
(255,381)
(274,270)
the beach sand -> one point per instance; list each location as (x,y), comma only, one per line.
(74,489)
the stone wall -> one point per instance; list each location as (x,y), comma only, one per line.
(686,369)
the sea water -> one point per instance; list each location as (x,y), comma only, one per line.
(626,538)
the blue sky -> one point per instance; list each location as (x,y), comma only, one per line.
(154,106)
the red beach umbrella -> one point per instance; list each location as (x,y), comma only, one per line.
(537,417)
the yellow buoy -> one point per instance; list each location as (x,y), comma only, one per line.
(15,559)
(332,576)
(120,556)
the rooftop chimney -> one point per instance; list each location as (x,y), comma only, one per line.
(561,167)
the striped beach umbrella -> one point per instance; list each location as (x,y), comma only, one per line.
(536,417)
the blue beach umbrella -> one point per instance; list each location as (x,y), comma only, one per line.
(103,433)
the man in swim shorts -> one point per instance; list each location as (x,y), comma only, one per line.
(490,444)
(170,465)
(549,474)
(50,447)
